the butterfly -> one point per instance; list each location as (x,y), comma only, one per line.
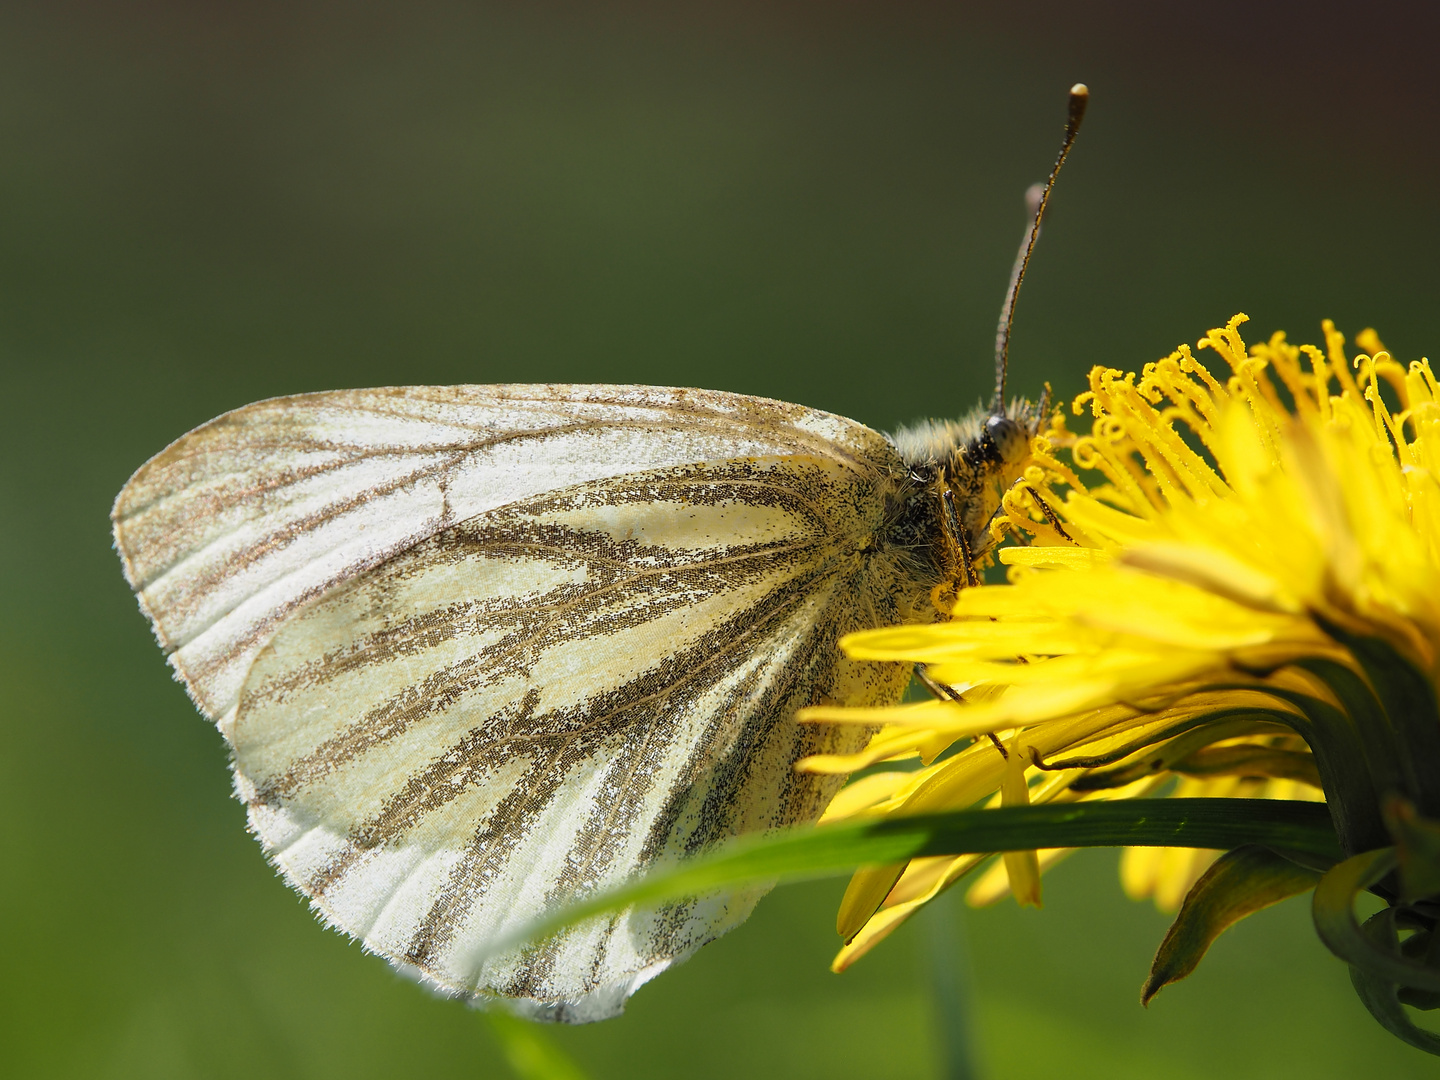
(479,651)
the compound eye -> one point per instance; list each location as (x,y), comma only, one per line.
(1009,439)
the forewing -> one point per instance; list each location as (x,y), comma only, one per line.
(543,700)
(233,527)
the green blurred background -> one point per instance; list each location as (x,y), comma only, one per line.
(206,204)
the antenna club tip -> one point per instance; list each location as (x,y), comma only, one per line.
(1079,98)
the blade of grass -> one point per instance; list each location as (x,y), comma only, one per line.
(530,1052)
(1301,828)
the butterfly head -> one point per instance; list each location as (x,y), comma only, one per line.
(1005,440)
(959,472)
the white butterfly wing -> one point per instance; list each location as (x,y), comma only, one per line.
(234,526)
(503,645)
(545,699)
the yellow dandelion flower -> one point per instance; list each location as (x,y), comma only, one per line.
(1228,588)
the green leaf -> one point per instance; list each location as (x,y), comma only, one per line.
(1302,828)
(1240,883)
(529,1051)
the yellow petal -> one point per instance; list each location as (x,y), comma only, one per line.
(861,794)
(1023,867)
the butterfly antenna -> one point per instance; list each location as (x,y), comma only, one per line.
(1035,198)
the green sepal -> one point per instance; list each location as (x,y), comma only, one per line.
(1383,998)
(1352,751)
(1250,760)
(1241,882)
(1158,750)
(1417,847)
(1335,922)
(1342,757)
(1410,717)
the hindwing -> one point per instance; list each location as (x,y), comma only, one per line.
(543,700)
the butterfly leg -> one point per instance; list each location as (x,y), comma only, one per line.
(949,693)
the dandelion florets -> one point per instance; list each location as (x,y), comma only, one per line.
(1228,586)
